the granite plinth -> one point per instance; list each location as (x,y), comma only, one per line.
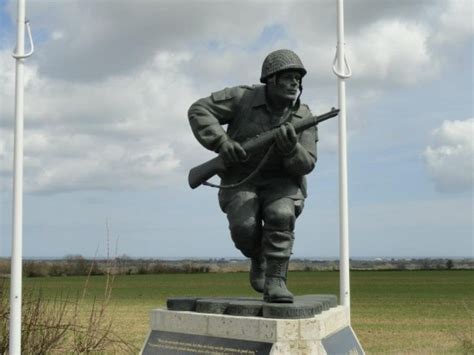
(190,332)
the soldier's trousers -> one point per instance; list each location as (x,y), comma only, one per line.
(261,223)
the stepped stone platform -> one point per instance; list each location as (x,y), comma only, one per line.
(303,306)
(313,324)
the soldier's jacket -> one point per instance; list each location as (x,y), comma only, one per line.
(245,111)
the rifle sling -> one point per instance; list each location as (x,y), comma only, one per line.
(286,119)
(246,179)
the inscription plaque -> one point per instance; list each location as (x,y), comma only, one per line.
(160,342)
(343,342)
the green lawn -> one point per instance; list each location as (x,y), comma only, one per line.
(392,311)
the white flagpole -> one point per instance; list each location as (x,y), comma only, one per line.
(343,71)
(17,237)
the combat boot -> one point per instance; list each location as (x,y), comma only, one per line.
(275,290)
(257,273)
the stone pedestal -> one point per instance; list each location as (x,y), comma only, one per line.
(185,332)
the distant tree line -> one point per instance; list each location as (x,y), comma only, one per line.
(77,265)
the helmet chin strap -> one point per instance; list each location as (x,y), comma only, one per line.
(297,102)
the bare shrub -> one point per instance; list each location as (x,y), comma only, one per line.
(94,333)
(63,324)
(4,317)
(44,323)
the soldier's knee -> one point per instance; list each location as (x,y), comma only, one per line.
(247,236)
(280,216)
(244,229)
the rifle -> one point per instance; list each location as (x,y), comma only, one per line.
(201,173)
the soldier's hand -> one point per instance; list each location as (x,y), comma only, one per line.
(232,152)
(286,139)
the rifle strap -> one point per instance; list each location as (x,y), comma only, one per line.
(286,118)
(249,177)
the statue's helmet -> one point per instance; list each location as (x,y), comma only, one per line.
(280,60)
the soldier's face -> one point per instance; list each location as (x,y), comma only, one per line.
(287,85)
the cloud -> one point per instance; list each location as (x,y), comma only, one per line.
(393,50)
(98,39)
(109,85)
(450,156)
(90,41)
(124,132)
(456,21)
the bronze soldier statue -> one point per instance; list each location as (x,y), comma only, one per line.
(261,201)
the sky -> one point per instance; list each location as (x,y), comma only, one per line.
(108,144)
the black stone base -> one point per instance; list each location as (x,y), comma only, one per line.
(306,306)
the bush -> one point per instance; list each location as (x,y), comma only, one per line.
(59,325)
(35,269)
(4,267)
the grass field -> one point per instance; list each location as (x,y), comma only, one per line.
(398,312)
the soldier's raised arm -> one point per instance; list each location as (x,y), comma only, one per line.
(207,115)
